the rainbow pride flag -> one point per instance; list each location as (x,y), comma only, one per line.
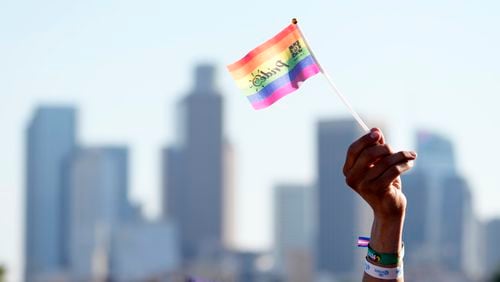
(275,68)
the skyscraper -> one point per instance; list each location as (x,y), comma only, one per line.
(415,236)
(436,154)
(50,140)
(448,227)
(454,212)
(341,212)
(293,231)
(98,201)
(143,251)
(461,232)
(436,161)
(194,182)
(492,257)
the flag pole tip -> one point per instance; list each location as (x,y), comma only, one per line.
(294,21)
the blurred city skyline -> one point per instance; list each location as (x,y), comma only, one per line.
(80,224)
(125,65)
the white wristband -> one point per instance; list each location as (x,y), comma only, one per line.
(383,273)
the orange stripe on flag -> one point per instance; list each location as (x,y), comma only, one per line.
(263,47)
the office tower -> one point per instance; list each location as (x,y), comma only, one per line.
(50,140)
(342,214)
(229,195)
(436,154)
(98,202)
(194,168)
(415,236)
(293,231)
(454,213)
(461,232)
(474,236)
(492,255)
(436,161)
(143,251)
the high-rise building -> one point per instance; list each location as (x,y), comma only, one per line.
(436,154)
(492,257)
(194,168)
(50,141)
(293,231)
(143,251)
(461,232)
(454,212)
(415,236)
(436,161)
(229,209)
(440,224)
(98,203)
(342,214)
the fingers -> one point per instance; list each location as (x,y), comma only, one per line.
(382,138)
(389,161)
(392,173)
(365,162)
(358,146)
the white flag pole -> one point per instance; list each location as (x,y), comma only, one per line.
(333,87)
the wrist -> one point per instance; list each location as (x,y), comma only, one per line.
(386,234)
(389,219)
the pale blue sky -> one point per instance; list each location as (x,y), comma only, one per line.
(124,64)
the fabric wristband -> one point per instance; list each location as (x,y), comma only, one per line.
(383,273)
(385,258)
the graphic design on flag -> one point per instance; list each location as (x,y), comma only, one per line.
(275,68)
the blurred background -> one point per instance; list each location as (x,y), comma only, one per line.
(129,154)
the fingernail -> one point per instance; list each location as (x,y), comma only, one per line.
(411,163)
(375,135)
(413,154)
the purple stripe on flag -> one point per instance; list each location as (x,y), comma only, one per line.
(287,88)
(285,79)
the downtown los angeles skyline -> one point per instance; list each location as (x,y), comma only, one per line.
(75,192)
(414,65)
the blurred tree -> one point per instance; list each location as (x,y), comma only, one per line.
(496,275)
(3,272)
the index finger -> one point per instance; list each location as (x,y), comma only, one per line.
(359,145)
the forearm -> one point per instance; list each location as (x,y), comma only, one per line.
(373,170)
(386,237)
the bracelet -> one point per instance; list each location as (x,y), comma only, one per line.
(385,258)
(383,273)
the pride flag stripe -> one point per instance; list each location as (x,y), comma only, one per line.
(257,80)
(287,78)
(248,57)
(288,88)
(275,68)
(256,60)
(266,57)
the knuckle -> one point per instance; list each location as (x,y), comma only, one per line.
(364,187)
(372,153)
(351,148)
(401,155)
(350,181)
(377,152)
(386,148)
(396,170)
(385,162)
(408,155)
